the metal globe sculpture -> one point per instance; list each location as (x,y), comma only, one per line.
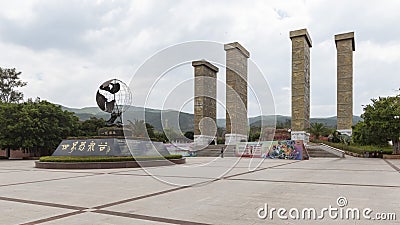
(114,97)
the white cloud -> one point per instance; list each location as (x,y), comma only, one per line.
(65,49)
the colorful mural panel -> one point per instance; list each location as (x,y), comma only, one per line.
(285,149)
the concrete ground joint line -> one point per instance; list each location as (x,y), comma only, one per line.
(173,176)
(138,198)
(48,219)
(49,204)
(315,183)
(392,165)
(353,170)
(39,181)
(256,170)
(148,218)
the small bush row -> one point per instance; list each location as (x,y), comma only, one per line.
(358,149)
(104,158)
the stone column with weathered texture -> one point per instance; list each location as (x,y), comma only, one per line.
(345,47)
(301,44)
(236,93)
(205,107)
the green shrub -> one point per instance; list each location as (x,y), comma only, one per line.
(104,158)
(360,149)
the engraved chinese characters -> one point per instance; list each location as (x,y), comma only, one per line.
(84,146)
(110,147)
(91,147)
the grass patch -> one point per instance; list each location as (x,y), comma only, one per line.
(360,149)
(3,157)
(104,158)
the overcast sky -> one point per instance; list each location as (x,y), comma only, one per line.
(66,49)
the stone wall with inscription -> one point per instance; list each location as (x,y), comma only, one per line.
(110,147)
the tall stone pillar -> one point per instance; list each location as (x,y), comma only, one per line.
(236,93)
(205,107)
(301,44)
(345,47)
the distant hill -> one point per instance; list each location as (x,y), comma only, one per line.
(170,118)
(175,119)
(269,120)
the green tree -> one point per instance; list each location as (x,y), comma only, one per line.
(172,134)
(9,81)
(254,135)
(91,126)
(381,123)
(318,129)
(138,128)
(37,127)
(189,135)
(160,136)
(150,131)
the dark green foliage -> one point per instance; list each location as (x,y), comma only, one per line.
(360,149)
(9,81)
(254,135)
(105,158)
(318,130)
(91,126)
(189,135)
(286,124)
(138,128)
(160,136)
(150,130)
(35,126)
(381,123)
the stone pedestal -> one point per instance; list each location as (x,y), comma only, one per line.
(345,47)
(205,106)
(236,93)
(109,146)
(348,132)
(203,140)
(233,139)
(301,44)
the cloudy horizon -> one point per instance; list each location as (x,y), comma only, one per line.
(66,49)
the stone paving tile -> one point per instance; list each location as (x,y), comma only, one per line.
(395,164)
(333,177)
(21,177)
(237,202)
(131,196)
(90,191)
(99,219)
(343,164)
(18,213)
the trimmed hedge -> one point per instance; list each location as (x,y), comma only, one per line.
(357,148)
(104,158)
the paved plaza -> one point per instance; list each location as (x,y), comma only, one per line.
(203,191)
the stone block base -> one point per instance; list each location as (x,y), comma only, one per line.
(385,156)
(233,139)
(301,136)
(203,140)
